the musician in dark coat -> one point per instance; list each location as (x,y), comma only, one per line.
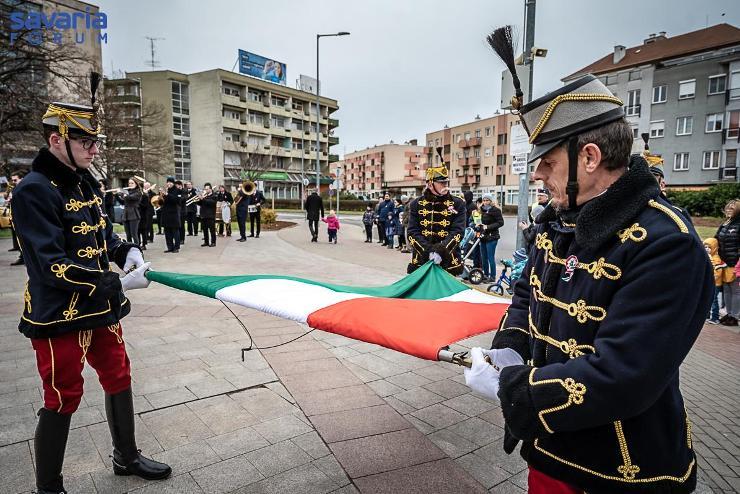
(131,199)
(191,210)
(73,302)
(436,223)
(183,208)
(170,216)
(147,215)
(314,207)
(254,208)
(207,205)
(613,296)
(241,213)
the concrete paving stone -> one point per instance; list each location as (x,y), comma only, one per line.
(343,352)
(331,467)
(312,444)
(347,489)
(438,371)
(439,416)
(145,440)
(170,397)
(377,365)
(487,474)
(248,379)
(188,457)
(730,460)
(82,484)
(399,406)
(364,347)
(210,386)
(86,416)
(263,403)
(17,468)
(477,430)
(494,416)
(174,485)
(176,426)
(21,430)
(384,388)
(494,454)
(436,476)
(384,452)
(506,488)
(317,381)
(471,405)
(334,400)
(409,380)
(236,442)
(363,375)
(305,479)
(22,397)
(290,353)
(418,397)
(521,479)
(225,416)
(287,368)
(278,458)
(360,422)
(280,429)
(452,444)
(82,455)
(446,388)
(278,388)
(226,476)
(106,482)
(420,425)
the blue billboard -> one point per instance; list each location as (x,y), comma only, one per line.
(264,68)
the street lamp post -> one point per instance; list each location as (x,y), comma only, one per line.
(318,108)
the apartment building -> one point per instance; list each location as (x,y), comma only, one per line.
(394,168)
(685,92)
(478,156)
(123,155)
(225,124)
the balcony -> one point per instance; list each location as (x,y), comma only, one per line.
(333,158)
(234,101)
(474,141)
(474,161)
(632,111)
(333,140)
(126,99)
(333,122)
(463,143)
(232,146)
(231,123)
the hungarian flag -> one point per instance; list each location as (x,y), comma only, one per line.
(419,314)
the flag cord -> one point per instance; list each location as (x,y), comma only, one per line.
(251,340)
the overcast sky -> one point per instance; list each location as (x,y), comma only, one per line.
(409,66)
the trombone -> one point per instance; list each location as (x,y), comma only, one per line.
(198,197)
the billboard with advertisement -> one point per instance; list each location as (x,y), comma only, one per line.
(307,83)
(259,66)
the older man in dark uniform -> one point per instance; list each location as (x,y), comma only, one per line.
(613,296)
(436,223)
(73,302)
(170,215)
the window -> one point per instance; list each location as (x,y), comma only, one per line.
(477,132)
(680,162)
(710,160)
(297,106)
(467,135)
(733,129)
(635,75)
(488,131)
(686,89)
(717,84)
(231,137)
(684,126)
(633,103)
(488,152)
(476,152)
(182,171)
(485,170)
(297,125)
(255,118)
(660,94)
(231,91)
(436,142)
(730,169)
(254,96)
(275,101)
(181,126)
(714,122)
(278,122)
(180,100)
(501,139)
(635,132)
(657,129)
(120,90)
(611,79)
(501,159)
(735,85)
(182,149)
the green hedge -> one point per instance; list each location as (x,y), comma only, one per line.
(709,202)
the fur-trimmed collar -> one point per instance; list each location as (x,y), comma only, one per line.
(49,165)
(604,215)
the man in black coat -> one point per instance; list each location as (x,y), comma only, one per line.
(170,216)
(384,207)
(241,201)
(208,215)
(191,210)
(314,207)
(254,208)
(146,212)
(183,208)
(614,294)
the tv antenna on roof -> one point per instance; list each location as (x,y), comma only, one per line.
(153,63)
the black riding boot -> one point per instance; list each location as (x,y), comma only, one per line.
(127,459)
(49,445)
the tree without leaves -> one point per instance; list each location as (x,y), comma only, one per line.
(254,164)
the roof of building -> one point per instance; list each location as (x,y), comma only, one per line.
(662,48)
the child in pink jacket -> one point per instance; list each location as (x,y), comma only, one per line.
(332,225)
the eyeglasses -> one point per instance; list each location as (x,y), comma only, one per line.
(89,143)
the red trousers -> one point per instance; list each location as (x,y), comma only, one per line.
(540,483)
(60,361)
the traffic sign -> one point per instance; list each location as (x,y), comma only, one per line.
(519,141)
(519,164)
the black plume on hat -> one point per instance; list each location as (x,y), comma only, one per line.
(502,42)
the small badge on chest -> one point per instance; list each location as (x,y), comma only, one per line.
(571,263)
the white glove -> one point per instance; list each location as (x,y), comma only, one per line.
(134,259)
(436,258)
(483,377)
(136,278)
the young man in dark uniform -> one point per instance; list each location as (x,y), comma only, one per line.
(191,211)
(436,223)
(241,201)
(208,215)
(170,216)
(254,208)
(73,301)
(615,292)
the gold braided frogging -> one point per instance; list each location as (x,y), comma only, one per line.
(630,232)
(65,114)
(570,347)
(575,390)
(681,225)
(83,228)
(597,268)
(569,97)
(75,205)
(579,309)
(84,338)
(628,470)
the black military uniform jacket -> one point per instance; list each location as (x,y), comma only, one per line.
(256,199)
(67,244)
(605,312)
(436,224)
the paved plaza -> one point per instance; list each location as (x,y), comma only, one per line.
(322,414)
